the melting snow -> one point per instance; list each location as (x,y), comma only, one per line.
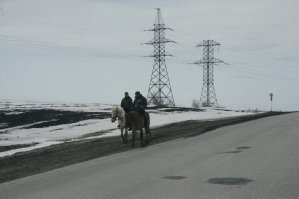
(61,133)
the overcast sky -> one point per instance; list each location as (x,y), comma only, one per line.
(90,50)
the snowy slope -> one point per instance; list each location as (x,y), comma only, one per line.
(33,138)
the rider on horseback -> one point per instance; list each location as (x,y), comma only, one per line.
(127,103)
(140,104)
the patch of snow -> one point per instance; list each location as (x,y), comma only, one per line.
(13,113)
(55,133)
(75,131)
(8,130)
(41,145)
(2,125)
(17,107)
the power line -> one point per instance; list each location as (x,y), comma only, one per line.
(66,48)
(268,59)
(78,51)
(71,26)
(265,77)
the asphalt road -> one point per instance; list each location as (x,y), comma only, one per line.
(257,159)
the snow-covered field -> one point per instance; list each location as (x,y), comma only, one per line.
(33,138)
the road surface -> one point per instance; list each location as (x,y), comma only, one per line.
(257,160)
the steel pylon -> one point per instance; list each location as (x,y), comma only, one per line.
(159,92)
(208,95)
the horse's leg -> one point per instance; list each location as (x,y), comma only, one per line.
(141,138)
(147,134)
(122,134)
(133,137)
(147,128)
(126,135)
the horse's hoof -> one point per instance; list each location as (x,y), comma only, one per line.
(142,144)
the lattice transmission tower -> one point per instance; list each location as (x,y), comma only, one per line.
(208,94)
(159,92)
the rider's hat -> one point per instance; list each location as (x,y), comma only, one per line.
(137,93)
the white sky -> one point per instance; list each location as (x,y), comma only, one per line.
(89,50)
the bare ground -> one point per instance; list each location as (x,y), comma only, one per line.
(61,155)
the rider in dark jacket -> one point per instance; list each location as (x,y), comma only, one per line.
(140,102)
(126,103)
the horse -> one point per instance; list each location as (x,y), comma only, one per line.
(119,113)
(133,118)
(137,120)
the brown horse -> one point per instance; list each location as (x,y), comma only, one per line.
(136,119)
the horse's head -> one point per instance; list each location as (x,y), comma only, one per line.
(114,114)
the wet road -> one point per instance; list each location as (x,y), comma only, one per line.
(256,159)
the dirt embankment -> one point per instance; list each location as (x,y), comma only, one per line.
(41,160)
